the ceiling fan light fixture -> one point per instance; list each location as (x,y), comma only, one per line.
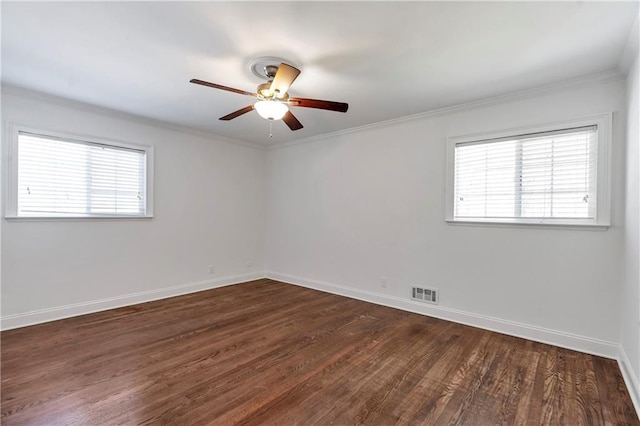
(271,110)
(273,99)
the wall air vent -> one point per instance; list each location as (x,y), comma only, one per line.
(428,295)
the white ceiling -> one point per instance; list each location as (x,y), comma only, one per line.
(386,59)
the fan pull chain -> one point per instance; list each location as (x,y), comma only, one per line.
(270,128)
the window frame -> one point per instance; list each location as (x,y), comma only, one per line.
(602,218)
(11,200)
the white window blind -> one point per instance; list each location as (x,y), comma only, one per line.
(68,178)
(539,177)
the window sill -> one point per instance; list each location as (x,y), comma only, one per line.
(72,218)
(575,226)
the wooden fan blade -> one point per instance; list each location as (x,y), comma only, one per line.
(285,75)
(221,87)
(237,113)
(318,104)
(291,121)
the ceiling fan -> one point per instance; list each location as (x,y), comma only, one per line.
(273,100)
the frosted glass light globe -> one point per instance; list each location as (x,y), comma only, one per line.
(271,110)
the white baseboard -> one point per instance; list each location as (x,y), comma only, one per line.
(539,334)
(630,379)
(51,314)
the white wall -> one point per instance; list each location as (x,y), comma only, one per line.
(630,301)
(209,208)
(341,213)
(348,209)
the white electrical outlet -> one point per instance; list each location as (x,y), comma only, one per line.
(212,270)
(384,281)
(249,263)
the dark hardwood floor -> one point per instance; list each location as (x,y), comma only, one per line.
(270,353)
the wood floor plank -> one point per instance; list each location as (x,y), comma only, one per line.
(512,383)
(588,406)
(265,352)
(612,391)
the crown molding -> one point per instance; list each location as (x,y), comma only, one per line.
(575,83)
(631,48)
(599,78)
(7,89)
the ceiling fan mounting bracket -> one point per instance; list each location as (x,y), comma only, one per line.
(270,71)
(265,67)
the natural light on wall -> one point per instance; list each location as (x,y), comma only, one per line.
(67,178)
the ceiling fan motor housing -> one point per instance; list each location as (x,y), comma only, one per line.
(264,91)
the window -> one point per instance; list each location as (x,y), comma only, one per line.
(55,175)
(553,175)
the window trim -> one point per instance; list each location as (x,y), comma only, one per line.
(11,200)
(603,173)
